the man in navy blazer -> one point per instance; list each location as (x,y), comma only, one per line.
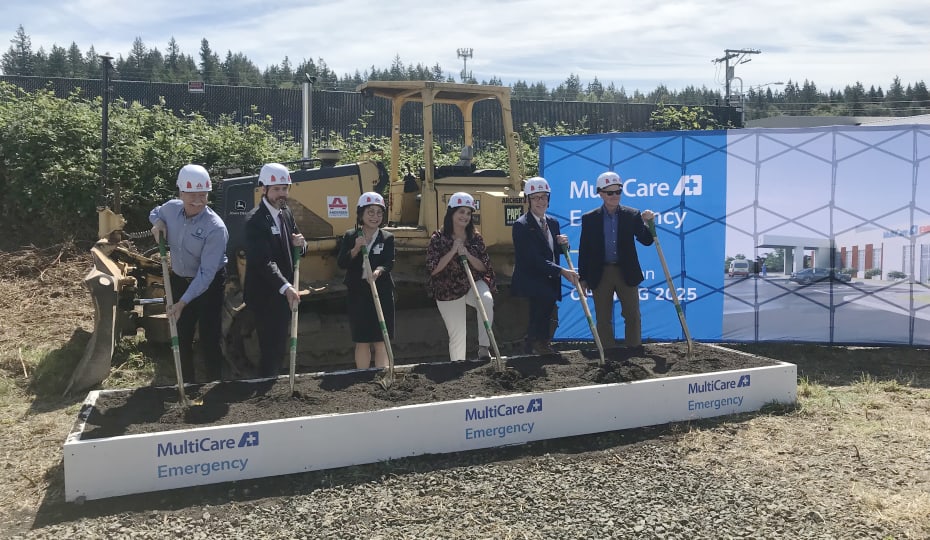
(270,291)
(537,242)
(608,262)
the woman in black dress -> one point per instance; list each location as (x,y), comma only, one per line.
(363,319)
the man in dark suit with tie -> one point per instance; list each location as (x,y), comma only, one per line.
(270,291)
(537,243)
(608,262)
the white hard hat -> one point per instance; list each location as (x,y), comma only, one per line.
(369,198)
(461,199)
(194,179)
(537,184)
(608,178)
(274,174)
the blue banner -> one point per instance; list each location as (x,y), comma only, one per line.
(826,204)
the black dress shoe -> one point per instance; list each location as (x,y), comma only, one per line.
(543,347)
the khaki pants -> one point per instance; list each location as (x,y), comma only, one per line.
(611,282)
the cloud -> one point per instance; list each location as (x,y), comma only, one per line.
(634,45)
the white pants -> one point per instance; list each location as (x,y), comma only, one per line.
(453,314)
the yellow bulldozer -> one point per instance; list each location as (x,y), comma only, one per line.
(127,288)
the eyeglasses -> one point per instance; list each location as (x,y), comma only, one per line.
(374,212)
(539,197)
(612,193)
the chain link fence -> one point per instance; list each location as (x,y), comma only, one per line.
(350,114)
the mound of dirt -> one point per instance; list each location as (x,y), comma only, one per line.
(154,409)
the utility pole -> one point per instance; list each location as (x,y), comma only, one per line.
(465,53)
(740,56)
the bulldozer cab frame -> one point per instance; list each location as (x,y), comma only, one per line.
(437,183)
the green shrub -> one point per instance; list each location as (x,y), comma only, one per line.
(50,160)
(872,272)
(896,274)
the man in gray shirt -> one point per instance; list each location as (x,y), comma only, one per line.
(197,237)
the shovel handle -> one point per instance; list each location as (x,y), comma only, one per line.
(479,305)
(292,341)
(376,298)
(584,304)
(172,325)
(672,289)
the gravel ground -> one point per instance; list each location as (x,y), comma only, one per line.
(851,461)
(638,485)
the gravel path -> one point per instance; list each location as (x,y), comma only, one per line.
(634,484)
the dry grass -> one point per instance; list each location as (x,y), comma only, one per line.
(863,448)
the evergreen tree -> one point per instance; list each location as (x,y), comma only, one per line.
(39,61)
(895,98)
(132,68)
(240,71)
(93,67)
(569,90)
(173,60)
(76,67)
(57,63)
(596,89)
(19,60)
(209,64)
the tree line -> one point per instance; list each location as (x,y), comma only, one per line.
(148,63)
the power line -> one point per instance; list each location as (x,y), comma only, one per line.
(740,56)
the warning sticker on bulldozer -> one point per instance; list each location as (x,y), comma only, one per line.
(336,206)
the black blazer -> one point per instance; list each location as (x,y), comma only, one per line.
(268,265)
(591,246)
(536,270)
(353,266)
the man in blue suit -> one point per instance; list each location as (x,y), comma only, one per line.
(537,242)
(608,262)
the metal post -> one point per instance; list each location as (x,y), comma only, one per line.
(308,115)
(105,125)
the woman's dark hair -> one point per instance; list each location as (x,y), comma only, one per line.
(447,223)
(361,210)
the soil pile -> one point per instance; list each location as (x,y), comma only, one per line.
(153,409)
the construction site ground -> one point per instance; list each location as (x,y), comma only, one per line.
(850,460)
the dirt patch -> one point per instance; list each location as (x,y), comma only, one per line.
(153,409)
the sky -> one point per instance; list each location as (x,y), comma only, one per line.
(634,45)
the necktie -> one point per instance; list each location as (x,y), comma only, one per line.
(285,237)
(544,225)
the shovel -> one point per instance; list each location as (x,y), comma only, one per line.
(388,380)
(169,301)
(498,363)
(292,342)
(584,304)
(673,289)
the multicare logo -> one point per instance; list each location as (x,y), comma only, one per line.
(502,410)
(203,466)
(206,444)
(716,385)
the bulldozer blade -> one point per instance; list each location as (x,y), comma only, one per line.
(94,366)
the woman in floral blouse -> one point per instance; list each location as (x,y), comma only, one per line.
(448,283)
